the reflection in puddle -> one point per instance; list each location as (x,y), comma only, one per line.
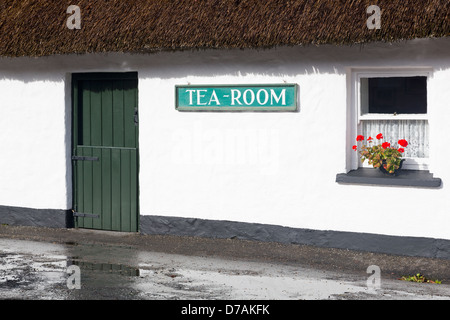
(35,270)
(106,267)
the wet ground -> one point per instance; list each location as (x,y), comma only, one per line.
(72,264)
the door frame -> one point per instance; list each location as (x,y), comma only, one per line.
(75,78)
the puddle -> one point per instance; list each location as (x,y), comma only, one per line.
(32,270)
(35,270)
(24,277)
(242,284)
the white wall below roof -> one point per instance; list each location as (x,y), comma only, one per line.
(273,168)
(280,168)
(33,140)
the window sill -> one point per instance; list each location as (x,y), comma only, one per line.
(408,178)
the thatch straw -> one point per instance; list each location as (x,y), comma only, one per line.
(38,27)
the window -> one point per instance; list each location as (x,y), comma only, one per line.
(394,104)
(396,95)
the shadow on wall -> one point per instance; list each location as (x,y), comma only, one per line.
(276,62)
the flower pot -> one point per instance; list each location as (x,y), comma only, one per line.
(396,172)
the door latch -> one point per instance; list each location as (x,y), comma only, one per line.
(84,158)
(85,215)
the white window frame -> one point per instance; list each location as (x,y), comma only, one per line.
(356,74)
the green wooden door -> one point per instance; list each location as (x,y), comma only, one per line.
(105,151)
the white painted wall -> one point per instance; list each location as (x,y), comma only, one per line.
(32,139)
(273,168)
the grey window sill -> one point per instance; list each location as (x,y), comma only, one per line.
(410,178)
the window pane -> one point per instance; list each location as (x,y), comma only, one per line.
(401,95)
(414,131)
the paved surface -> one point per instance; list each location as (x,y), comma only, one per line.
(38,264)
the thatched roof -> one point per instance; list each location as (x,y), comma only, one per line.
(38,27)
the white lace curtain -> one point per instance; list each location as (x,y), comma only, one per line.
(414,131)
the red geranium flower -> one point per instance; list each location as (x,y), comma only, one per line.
(382,154)
(403,142)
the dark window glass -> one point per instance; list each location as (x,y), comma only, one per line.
(398,95)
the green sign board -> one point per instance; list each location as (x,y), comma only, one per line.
(264,97)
